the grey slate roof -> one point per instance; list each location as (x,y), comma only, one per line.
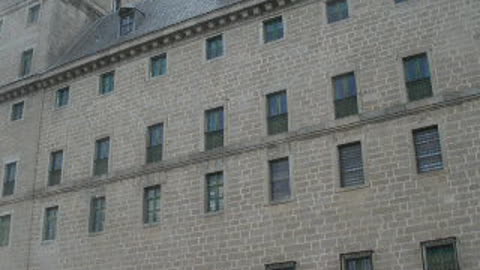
(159,14)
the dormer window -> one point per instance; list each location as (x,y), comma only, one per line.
(126,23)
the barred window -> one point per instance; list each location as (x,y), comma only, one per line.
(215,192)
(280,180)
(107,82)
(26,64)
(357,261)
(277,113)
(17,111)
(345,95)
(4,230)
(273,29)
(337,10)
(62,97)
(214,47)
(440,255)
(151,202)
(417,77)
(158,65)
(56,164)
(351,165)
(50,223)
(102,152)
(9,178)
(97,214)
(214,130)
(427,149)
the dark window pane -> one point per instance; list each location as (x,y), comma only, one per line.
(155,143)
(158,65)
(214,192)
(26,64)
(351,165)
(152,205)
(364,263)
(277,113)
(63,96)
(280,180)
(417,76)
(126,23)
(33,14)
(101,156)
(97,214)
(214,47)
(281,266)
(273,29)
(4,230)
(337,10)
(427,149)
(345,95)
(50,225)
(214,128)
(55,172)
(107,83)
(17,111)
(9,178)
(441,257)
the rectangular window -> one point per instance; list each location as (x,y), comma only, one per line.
(427,149)
(440,255)
(26,64)
(116,4)
(279,180)
(151,205)
(9,178)
(17,111)
(400,1)
(277,114)
(357,261)
(337,10)
(1,25)
(273,29)
(126,23)
(155,143)
(214,128)
(158,65)
(97,214)
(62,97)
(345,95)
(281,266)
(4,230)
(351,165)
(417,77)
(215,192)
(33,14)
(102,152)
(50,223)
(56,164)
(214,47)
(107,82)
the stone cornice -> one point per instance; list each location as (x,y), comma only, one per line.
(395,112)
(141,45)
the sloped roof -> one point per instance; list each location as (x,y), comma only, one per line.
(159,14)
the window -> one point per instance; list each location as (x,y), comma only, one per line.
(62,97)
(4,230)
(151,205)
(26,64)
(107,82)
(281,266)
(1,25)
(351,165)
(97,214)
(214,47)
(440,255)
(214,128)
(337,10)
(102,152)
(417,77)
(279,180)
(273,29)
(17,111)
(126,23)
(9,178)
(50,224)
(277,114)
(427,149)
(155,143)
(215,192)
(158,65)
(33,14)
(116,4)
(357,261)
(400,1)
(56,164)
(345,95)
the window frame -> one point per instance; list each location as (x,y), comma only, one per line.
(206,49)
(57,92)
(46,222)
(29,12)
(340,170)
(10,228)
(50,165)
(334,94)
(264,33)
(404,71)
(102,76)
(271,181)
(219,207)
(130,15)
(92,215)
(442,154)
(2,25)
(22,72)
(148,146)
(15,182)
(281,265)
(207,133)
(150,65)
(356,255)
(146,210)
(269,117)
(96,153)
(437,243)
(349,12)
(12,111)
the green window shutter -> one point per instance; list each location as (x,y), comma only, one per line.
(280,180)
(428,149)
(215,192)
(351,165)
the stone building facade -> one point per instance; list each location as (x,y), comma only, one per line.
(395,216)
